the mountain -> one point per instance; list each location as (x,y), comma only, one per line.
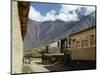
(41,33)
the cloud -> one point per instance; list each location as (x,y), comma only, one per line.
(66,13)
(50,16)
(34,15)
(89,10)
(67,8)
(85,10)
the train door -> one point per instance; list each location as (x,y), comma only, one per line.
(67,56)
(63,45)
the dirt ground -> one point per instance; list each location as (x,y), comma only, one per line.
(36,65)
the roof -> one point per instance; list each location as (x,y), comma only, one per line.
(23,10)
(82,30)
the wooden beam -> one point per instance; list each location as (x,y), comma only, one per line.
(23,10)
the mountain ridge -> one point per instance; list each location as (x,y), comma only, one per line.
(41,33)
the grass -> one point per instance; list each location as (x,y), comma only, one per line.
(32,52)
(26,69)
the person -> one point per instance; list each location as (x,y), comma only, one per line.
(43,57)
(24,59)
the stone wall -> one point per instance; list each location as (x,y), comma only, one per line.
(17,44)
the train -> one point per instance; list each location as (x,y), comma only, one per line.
(78,47)
(82,45)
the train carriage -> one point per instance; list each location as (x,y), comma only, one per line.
(82,45)
(77,48)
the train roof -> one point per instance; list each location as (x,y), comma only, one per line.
(82,30)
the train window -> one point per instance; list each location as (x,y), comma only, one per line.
(93,39)
(73,40)
(77,43)
(73,43)
(70,41)
(84,41)
(65,43)
(58,43)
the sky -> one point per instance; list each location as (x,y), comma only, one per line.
(49,11)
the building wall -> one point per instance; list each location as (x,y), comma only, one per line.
(17,45)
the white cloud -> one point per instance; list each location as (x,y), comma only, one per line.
(64,13)
(50,16)
(89,10)
(67,8)
(53,12)
(34,15)
(68,17)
